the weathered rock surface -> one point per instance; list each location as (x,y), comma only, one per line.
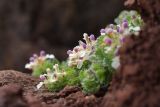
(137,83)
(18,90)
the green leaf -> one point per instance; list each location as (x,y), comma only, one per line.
(58,85)
(89,82)
(41,68)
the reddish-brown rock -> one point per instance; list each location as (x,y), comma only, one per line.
(137,83)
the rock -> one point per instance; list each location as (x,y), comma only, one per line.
(14,77)
(149,9)
(137,84)
(12,96)
(18,90)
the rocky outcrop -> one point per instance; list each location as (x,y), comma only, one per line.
(136,84)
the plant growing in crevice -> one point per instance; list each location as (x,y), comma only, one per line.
(92,63)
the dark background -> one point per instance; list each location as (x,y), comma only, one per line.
(28,26)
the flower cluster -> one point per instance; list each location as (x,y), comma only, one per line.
(39,63)
(36,60)
(92,63)
(82,52)
(51,77)
(128,23)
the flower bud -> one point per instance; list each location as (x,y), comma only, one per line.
(69,52)
(31,59)
(109,30)
(125,24)
(102,31)
(92,37)
(35,56)
(42,53)
(76,49)
(111,26)
(83,44)
(42,77)
(108,41)
(119,30)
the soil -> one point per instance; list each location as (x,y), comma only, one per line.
(22,88)
(136,83)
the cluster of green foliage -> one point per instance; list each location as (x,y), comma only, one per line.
(90,65)
(41,68)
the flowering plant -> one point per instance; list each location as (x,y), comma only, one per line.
(54,79)
(82,52)
(39,64)
(92,63)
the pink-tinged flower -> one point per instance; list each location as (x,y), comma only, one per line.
(76,49)
(103,31)
(35,56)
(31,59)
(109,30)
(82,52)
(83,44)
(42,77)
(108,41)
(119,29)
(42,53)
(111,26)
(92,37)
(38,60)
(69,52)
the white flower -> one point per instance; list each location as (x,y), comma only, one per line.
(116,62)
(81,52)
(103,33)
(56,67)
(40,85)
(48,70)
(86,38)
(85,35)
(80,63)
(108,49)
(30,65)
(135,29)
(49,56)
